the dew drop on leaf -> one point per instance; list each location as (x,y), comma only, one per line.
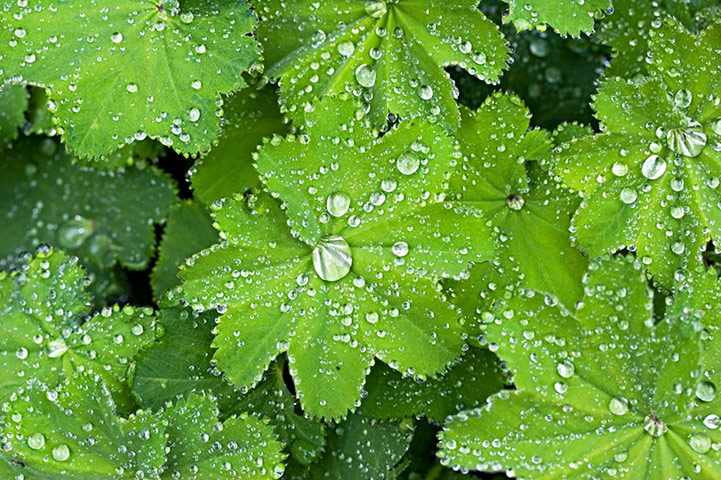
(683,98)
(36,441)
(618,406)
(688,141)
(338,203)
(376,9)
(408,163)
(332,258)
(61,452)
(653,167)
(565,369)
(365,76)
(700,442)
(628,195)
(706,391)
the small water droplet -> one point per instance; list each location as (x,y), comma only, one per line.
(21,353)
(654,167)
(365,76)
(408,163)
(683,99)
(515,202)
(628,195)
(338,203)
(700,442)
(565,369)
(116,37)
(654,426)
(346,48)
(61,452)
(132,88)
(376,9)
(36,441)
(619,169)
(618,406)
(400,249)
(194,114)
(425,92)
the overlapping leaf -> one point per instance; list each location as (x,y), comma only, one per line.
(621,397)
(530,212)
(565,16)
(651,180)
(117,72)
(43,307)
(102,217)
(388,54)
(354,277)
(13,103)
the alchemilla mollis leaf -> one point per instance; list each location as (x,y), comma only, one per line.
(650,179)
(119,72)
(388,54)
(626,397)
(343,268)
(565,16)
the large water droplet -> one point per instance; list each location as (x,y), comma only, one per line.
(36,441)
(688,141)
(57,348)
(653,167)
(712,421)
(338,203)
(116,37)
(408,163)
(425,92)
(346,48)
(618,406)
(628,195)
(683,99)
(365,76)
(61,452)
(565,369)
(400,249)
(376,9)
(706,391)
(619,169)
(654,426)
(700,442)
(332,258)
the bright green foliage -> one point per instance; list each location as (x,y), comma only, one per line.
(651,180)
(141,68)
(353,278)
(46,199)
(43,306)
(13,103)
(178,363)
(202,449)
(250,116)
(466,385)
(72,433)
(602,391)
(565,16)
(387,54)
(627,29)
(529,211)
(363,448)
(188,229)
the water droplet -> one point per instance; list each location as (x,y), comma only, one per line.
(346,48)
(21,353)
(187,17)
(338,203)
(376,9)
(408,163)
(628,195)
(332,258)
(61,452)
(20,32)
(389,185)
(712,421)
(515,202)
(716,126)
(196,84)
(654,426)
(700,442)
(318,38)
(425,92)
(688,141)
(677,212)
(74,232)
(371,317)
(400,249)
(116,37)
(565,369)
(36,441)
(132,88)
(57,348)
(653,167)
(619,169)
(683,99)
(365,76)
(705,391)
(538,47)
(193,114)
(618,406)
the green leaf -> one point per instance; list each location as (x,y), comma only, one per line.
(201,448)
(565,16)
(339,287)
(179,362)
(650,181)
(43,306)
(363,448)
(465,385)
(13,103)
(251,116)
(601,390)
(102,217)
(188,229)
(389,55)
(73,433)
(139,69)
(529,211)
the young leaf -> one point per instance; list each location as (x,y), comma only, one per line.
(73,433)
(651,180)
(464,386)
(250,116)
(565,16)
(602,390)
(13,103)
(118,72)
(362,448)
(354,276)
(188,229)
(42,307)
(388,54)
(46,199)
(201,448)
(530,212)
